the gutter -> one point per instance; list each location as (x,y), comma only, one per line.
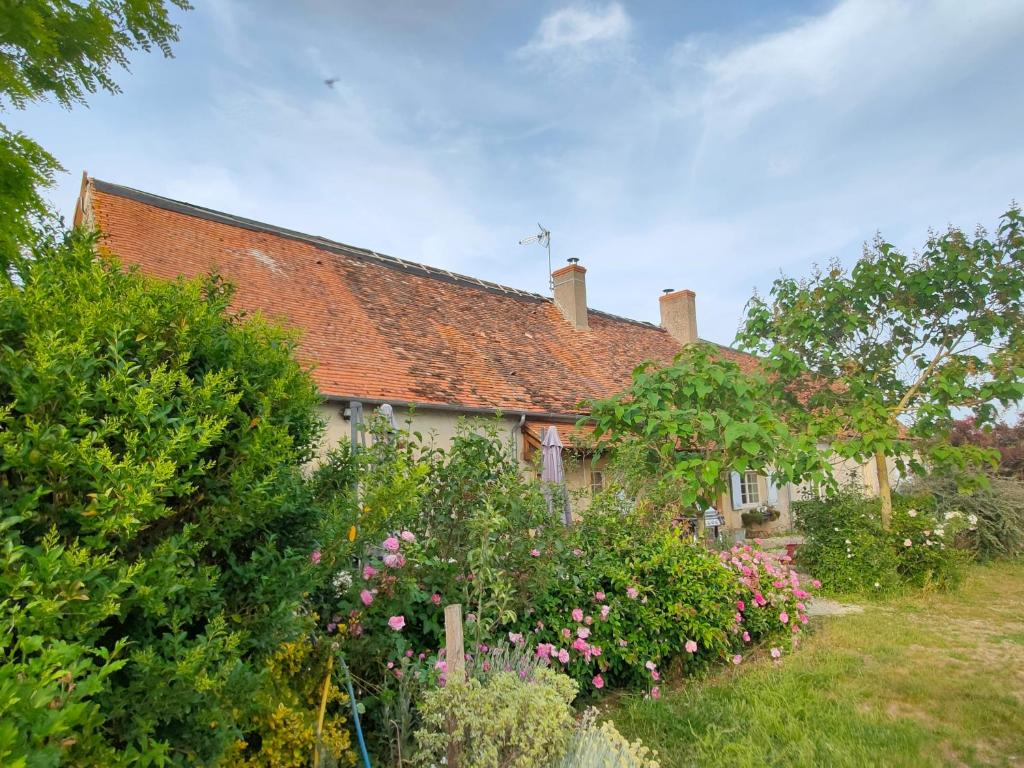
(523,415)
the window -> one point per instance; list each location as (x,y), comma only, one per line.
(596,482)
(750,495)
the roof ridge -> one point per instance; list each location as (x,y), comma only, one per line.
(333,246)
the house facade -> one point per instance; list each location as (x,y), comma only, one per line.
(436,346)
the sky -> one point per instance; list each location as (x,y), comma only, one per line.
(700,144)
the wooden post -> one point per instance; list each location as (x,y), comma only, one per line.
(455,652)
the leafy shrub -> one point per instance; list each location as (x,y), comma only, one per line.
(285,734)
(602,746)
(994,515)
(156,527)
(849,550)
(500,721)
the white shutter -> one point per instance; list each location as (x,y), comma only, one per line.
(773,491)
(737,491)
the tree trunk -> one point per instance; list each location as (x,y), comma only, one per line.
(884,491)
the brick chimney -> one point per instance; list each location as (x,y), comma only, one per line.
(679,315)
(570,288)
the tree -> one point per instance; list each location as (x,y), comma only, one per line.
(1007,439)
(64,50)
(688,424)
(156,529)
(879,360)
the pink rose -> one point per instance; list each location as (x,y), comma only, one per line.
(396,623)
(746,637)
(737,659)
(366,596)
(516,638)
(369,572)
(776,653)
(784,617)
(577,614)
(655,692)
(691,646)
(544,650)
(598,681)
(623,643)
(435,598)
(740,605)
(632,593)
(391,544)
(650,666)
(582,632)
(566,633)
(655,675)
(599,597)
(534,553)
(408,536)
(394,561)
(605,610)
(563,656)
(314,557)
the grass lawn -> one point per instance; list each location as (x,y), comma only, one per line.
(927,680)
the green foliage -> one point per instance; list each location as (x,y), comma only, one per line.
(602,746)
(994,515)
(879,359)
(849,550)
(660,591)
(501,721)
(686,425)
(156,527)
(60,49)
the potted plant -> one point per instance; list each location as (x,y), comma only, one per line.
(759,516)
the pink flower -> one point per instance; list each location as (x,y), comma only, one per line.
(534,553)
(396,623)
(650,666)
(408,536)
(314,557)
(563,656)
(435,598)
(691,646)
(605,610)
(369,572)
(623,643)
(588,620)
(655,692)
(737,659)
(516,638)
(579,644)
(366,596)
(784,617)
(632,593)
(391,544)
(577,614)
(776,653)
(566,633)
(655,675)
(816,584)
(746,637)
(759,599)
(394,561)
(578,552)
(599,597)
(598,681)
(740,605)
(582,632)
(544,650)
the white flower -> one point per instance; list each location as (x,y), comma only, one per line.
(972,521)
(877,585)
(908,543)
(954,514)
(848,542)
(911,513)
(940,531)
(342,581)
(836,530)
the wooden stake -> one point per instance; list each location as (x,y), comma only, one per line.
(455,652)
(323,711)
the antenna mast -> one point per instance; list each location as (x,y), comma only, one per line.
(544,238)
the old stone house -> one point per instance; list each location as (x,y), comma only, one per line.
(435,345)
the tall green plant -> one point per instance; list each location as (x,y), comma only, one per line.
(687,424)
(879,360)
(156,528)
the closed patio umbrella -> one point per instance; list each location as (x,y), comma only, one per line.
(552,473)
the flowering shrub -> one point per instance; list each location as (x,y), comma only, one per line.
(602,746)
(773,601)
(627,600)
(849,550)
(502,720)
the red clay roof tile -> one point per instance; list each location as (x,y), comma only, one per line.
(380,328)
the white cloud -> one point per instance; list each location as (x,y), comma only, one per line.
(578,28)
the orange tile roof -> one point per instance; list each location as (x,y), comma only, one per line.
(380,328)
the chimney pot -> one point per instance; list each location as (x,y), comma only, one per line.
(573,261)
(667,290)
(570,288)
(679,315)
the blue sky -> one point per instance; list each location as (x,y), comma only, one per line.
(677,144)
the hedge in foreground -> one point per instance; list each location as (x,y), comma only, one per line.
(154,525)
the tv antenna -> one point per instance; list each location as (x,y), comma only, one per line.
(543,238)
